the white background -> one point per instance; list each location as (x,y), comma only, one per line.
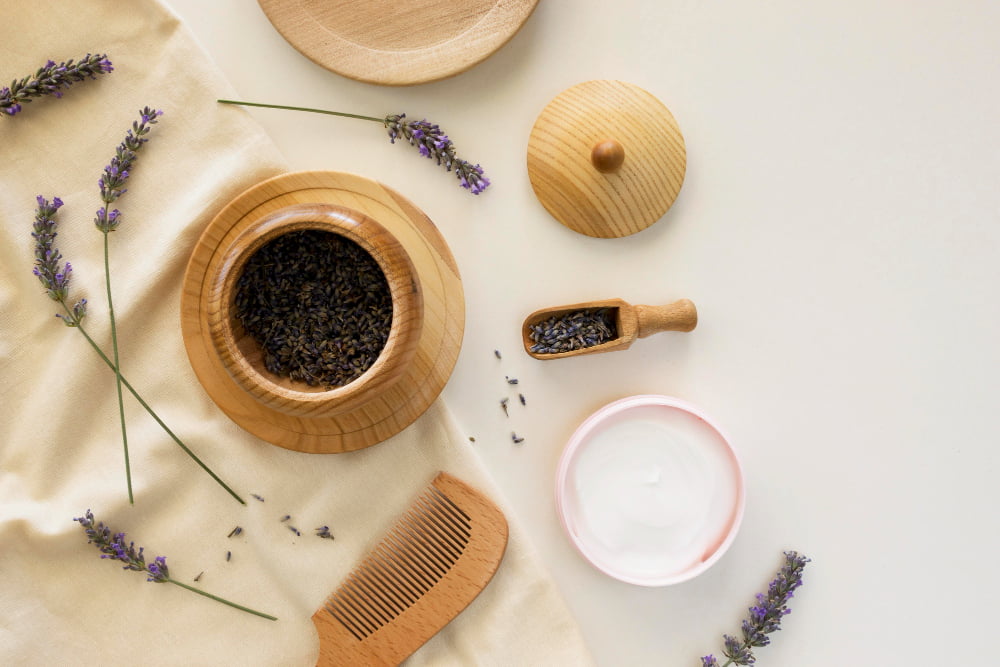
(838,229)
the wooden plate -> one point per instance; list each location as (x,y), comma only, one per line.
(440,338)
(397,43)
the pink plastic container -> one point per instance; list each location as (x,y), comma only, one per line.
(650,491)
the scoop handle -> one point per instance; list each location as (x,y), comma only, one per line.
(680,315)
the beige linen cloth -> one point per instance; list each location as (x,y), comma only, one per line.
(60,444)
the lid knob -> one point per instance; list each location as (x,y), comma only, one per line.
(607,156)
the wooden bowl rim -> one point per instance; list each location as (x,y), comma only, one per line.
(400,346)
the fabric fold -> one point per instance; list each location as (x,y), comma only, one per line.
(60,443)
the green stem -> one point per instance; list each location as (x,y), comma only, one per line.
(118,373)
(281,106)
(148,409)
(222,600)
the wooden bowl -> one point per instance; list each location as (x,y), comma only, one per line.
(426,332)
(243,356)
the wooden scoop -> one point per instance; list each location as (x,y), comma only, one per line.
(631,322)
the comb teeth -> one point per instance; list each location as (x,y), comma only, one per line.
(416,553)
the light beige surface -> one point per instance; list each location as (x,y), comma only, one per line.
(841,179)
(60,449)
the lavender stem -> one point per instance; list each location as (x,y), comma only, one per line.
(118,374)
(222,600)
(150,410)
(323,111)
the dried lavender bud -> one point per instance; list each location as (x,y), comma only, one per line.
(427,137)
(517,440)
(510,380)
(433,143)
(235,532)
(324,532)
(319,306)
(257,497)
(113,548)
(49,270)
(286,518)
(520,397)
(198,578)
(295,530)
(765,616)
(51,79)
(229,555)
(574,331)
(503,404)
(496,353)
(112,181)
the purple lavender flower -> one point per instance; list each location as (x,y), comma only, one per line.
(433,143)
(113,547)
(765,616)
(430,141)
(49,269)
(112,181)
(51,79)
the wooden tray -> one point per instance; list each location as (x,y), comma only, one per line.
(440,338)
(397,43)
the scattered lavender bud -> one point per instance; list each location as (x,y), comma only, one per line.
(520,397)
(324,532)
(765,616)
(257,497)
(496,353)
(235,531)
(51,79)
(286,518)
(113,548)
(517,440)
(295,530)
(503,404)
(510,380)
(229,556)
(198,578)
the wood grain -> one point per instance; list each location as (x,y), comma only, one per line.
(397,43)
(587,182)
(390,407)
(436,559)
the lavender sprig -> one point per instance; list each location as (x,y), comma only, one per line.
(765,616)
(112,547)
(426,136)
(51,79)
(55,278)
(112,186)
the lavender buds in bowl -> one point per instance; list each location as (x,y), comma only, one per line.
(315,309)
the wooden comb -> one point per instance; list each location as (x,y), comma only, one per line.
(433,562)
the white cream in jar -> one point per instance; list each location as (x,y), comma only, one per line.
(649,491)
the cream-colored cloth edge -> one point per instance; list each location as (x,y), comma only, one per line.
(60,447)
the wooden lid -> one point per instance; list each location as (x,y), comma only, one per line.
(397,43)
(438,345)
(606,158)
